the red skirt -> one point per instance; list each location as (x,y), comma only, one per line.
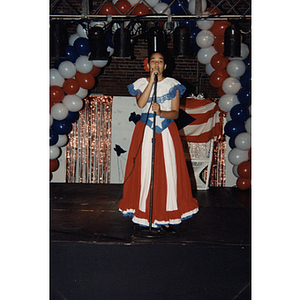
(172,194)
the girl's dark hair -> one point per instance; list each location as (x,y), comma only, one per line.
(156,52)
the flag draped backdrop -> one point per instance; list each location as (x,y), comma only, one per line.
(208,124)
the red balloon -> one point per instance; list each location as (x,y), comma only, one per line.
(108,9)
(219,62)
(86,81)
(56,94)
(244,169)
(214,10)
(217,77)
(54,165)
(218,29)
(219,44)
(140,10)
(95,71)
(123,6)
(71,86)
(243,183)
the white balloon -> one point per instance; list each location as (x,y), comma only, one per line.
(228,116)
(209,69)
(192,6)
(132,2)
(73,102)
(236,68)
(160,7)
(54,152)
(231,85)
(244,52)
(248,125)
(205,24)
(67,69)
(59,111)
(73,37)
(236,156)
(62,140)
(152,3)
(110,50)
(243,141)
(204,55)
(100,63)
(235,172)
(81,31)
(83,64)
(56,78)
(97,23)
(205,38)
(50,120)
(227,101)
(82,93)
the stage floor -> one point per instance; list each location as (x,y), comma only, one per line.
(89,213)
(96,253)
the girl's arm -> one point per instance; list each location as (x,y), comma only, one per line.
(173,113)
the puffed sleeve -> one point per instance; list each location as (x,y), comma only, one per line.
(175,85)
(137,87)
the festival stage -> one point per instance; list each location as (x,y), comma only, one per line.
(96,253)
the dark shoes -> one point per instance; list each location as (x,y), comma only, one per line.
(168,229)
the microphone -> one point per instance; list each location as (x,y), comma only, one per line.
(155,78)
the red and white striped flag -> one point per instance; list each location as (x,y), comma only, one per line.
(208,123)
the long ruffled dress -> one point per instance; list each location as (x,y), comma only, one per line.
(172,194)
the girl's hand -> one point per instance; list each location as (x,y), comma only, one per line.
(156,108)
(153,71)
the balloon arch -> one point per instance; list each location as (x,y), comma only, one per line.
(232,77)
(70,80)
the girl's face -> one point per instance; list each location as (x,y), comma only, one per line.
(157,61)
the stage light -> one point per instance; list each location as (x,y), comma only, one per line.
(156,40)
(182,41)
(121,39)
(98,46)
(232,40)
(58,39)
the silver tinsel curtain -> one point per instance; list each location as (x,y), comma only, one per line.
(88,150)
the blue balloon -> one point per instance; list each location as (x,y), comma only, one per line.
(82,46)
(53,137)
(72,116)
(232,143)
(189,24)
(109,41)
(244,95)
(239,112)
(233,128)
(246,61)
(72,53)
(194,32)
(245,79)
(179,8)
(61,127)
